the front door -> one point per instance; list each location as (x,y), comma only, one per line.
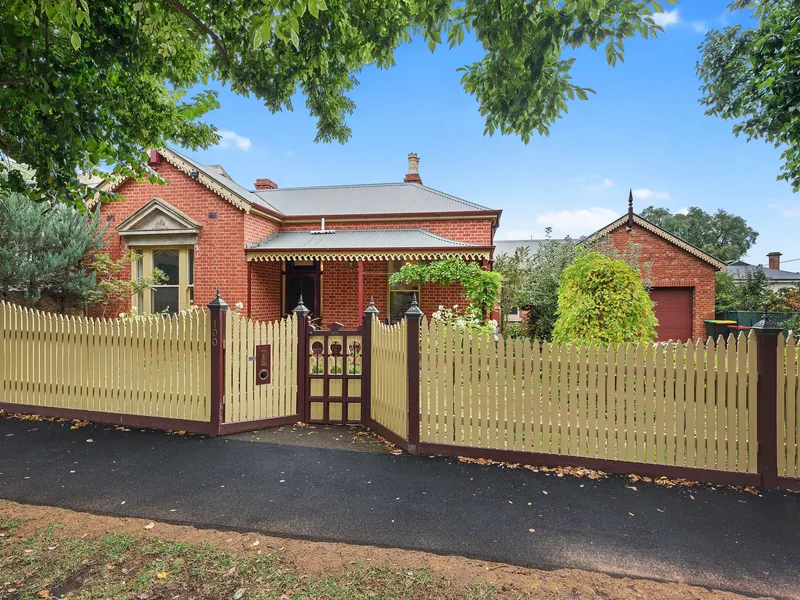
(302,279)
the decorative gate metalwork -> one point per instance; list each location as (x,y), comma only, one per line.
(334,391)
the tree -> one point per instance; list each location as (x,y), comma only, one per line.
(722,235)
(754,292)
(726,296)
(750,76)
(516,271)
(481,288)
(43,251)
(602,300)
(83,88)
(548,263)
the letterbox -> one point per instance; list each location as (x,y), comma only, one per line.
(263,364)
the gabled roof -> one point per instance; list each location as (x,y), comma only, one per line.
(510,246)
(652,227)
(324,201)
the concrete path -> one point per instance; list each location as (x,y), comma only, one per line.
(713,537)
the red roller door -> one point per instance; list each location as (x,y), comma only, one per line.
(674,313)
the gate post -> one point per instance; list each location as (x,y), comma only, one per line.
(767,409)
(370,313)
(413,315)
(303,327)
(217,310)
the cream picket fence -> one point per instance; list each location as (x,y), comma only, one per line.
(154,366)
(244,400)
(389,382)
(691,405)
(788,407)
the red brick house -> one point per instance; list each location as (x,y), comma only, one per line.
(684,277)
(263,247)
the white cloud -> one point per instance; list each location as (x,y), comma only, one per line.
(577,222)
(682,211)
(673,17)
(231,137)
(667,18)
(646,194)
(791,212)
(608,183)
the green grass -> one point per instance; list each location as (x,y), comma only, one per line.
(67,564)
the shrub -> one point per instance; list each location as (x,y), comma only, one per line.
(603,300)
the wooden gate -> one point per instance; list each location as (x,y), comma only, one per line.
(335,375)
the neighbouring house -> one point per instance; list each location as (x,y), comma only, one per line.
(264,247)
(683,276)
(778,277)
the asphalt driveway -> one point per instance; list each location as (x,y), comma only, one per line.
(714,537)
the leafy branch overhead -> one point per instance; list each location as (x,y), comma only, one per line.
(86,86)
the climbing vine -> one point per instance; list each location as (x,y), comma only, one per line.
(481,288)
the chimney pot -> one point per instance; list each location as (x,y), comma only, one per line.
(266,184)
(413,169)
(774,260)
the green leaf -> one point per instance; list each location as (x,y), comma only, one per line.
(75,39)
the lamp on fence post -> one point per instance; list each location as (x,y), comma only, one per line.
(767,332)
(302,313)
(217,309)
(413,315)
(370,313)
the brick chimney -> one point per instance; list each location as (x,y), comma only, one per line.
(266,184)
(774,260)
(413,169)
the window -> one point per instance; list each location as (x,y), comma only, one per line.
(174,294)
(400,294)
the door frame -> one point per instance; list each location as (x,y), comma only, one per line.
(291,271)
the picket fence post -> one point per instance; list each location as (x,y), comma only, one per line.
(370,313)
(413,316)
(767,332)
(218,309)
(303,333)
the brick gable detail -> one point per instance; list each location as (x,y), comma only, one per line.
(674,267)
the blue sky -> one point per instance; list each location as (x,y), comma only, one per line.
(643,130)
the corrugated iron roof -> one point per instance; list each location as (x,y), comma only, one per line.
(739,269)
(351,239)
(510,246)
(366,199)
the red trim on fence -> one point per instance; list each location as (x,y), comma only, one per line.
(217,310)
(389,435)
(767,405)
(789,483)
(139,421)
(412,364)
(244,426)
(597,464)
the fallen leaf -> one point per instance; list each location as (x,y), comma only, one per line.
(44,594)
(631,514)
(632,487)
(531,530)
(239,593)
(150,525)
(660,510)
(256,543)
(544,492)
(691,497)
(229,572)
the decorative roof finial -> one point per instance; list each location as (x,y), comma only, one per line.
(301,308)
(630,210)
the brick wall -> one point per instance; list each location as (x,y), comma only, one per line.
(266,290)
(674,267)
(473,231)
(219,254)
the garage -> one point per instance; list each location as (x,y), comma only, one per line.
(674,309)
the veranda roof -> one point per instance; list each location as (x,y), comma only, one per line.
(362,244)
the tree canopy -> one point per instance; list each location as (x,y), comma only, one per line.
(722,235)
(82,87)
(751,76)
